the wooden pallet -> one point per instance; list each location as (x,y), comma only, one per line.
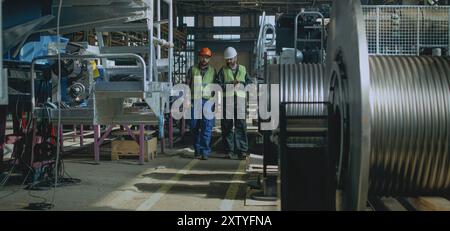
(121,148)
(134,132)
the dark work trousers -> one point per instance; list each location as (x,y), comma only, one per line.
(236,140)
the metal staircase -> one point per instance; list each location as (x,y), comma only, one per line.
(145,84)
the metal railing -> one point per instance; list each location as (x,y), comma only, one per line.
(138,58)
(406,30)
(262,44)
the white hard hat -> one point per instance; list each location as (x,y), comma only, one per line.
(229,53)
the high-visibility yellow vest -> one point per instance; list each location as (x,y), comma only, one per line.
(229,79)
(202,82)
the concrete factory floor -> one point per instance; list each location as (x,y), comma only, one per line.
(173,181)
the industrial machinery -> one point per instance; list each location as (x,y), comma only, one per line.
(392,143)
(54,82)
(263,44)
(309,36)
(302,138)
(302,89)
(302,37)
(383,127)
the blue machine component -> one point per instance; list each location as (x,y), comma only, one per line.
(46,46)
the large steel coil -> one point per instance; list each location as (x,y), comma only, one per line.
(410,126)
(394,113)
(410,119)
(301,83)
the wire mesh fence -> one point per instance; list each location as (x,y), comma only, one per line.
(407,30)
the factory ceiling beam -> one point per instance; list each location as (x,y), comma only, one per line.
(221,30)
(217,45)
(193,7)
(260,2)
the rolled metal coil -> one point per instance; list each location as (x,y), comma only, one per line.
(410,109)
(410,119)
(301,83)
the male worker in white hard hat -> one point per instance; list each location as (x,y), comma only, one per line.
(198,78)
(235,143)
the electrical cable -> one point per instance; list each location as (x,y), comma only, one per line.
(58,144)
(4,180)
(59,171)
(19,158)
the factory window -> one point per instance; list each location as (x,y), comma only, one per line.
(190,42)
(190,45)
(269,19)
(188,20)
(227,21)
(227,36)
(190,53)
(190,58)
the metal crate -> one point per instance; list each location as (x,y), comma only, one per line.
(406,30)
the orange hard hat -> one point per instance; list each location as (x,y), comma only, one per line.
(205,51)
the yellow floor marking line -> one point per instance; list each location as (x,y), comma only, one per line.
(227,203)
(121,196)
(155,197)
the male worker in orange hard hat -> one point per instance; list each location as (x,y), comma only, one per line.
(200,76)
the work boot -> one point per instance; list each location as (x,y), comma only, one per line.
(204,157)
(197,156)
(232,156)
